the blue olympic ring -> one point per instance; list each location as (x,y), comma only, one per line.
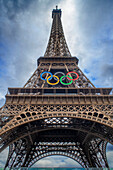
(44,73)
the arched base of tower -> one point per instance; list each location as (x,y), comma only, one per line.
(67,142)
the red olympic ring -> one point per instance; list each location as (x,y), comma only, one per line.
(74,73)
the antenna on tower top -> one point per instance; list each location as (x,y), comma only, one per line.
(56,11)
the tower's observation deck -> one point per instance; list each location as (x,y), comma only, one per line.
(56,11)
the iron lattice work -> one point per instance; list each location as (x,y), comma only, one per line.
(42,119)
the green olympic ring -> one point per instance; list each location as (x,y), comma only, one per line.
(66,83)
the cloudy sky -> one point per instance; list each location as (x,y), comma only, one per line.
(24,32)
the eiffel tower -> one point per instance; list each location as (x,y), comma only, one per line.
(57,112)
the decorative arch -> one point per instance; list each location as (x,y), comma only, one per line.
(55,142)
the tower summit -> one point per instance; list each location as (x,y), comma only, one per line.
(56,11)
(57,46)
(57,112)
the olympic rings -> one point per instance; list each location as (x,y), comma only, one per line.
(67,77)
(74,73)
(49,76)
(59,79)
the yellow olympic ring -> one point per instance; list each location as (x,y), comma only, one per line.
(53,83)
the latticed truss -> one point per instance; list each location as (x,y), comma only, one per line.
(35,80)
(57,45)
(61,140)
(57,112)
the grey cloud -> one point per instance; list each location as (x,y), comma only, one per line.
(110,158)
(108,70)
(56,161)
(109,147)
(109,154)
(94,18)
(105,75)
(13,7)
(3,157)
(2,101)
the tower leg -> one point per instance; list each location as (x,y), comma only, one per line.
(97,153)
(17,153)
